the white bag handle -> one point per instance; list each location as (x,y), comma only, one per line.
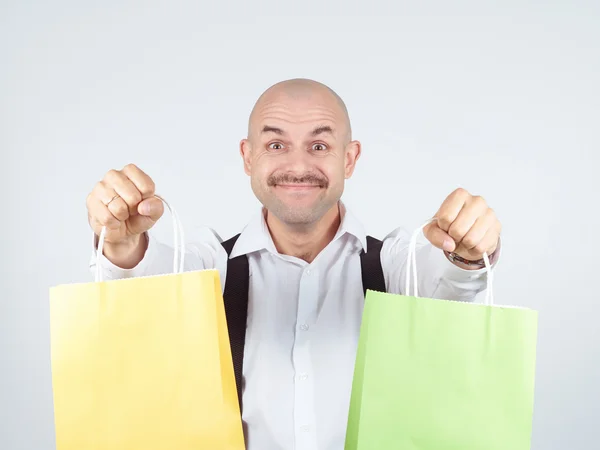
(412,263)
(179,243)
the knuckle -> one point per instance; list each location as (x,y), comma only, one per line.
(469,242)
(460,192)
(457,231)
(479,200)
(119,210)
(130,168)
(147,187)
(112,175)
(133,197)
(97,195)
(444,221)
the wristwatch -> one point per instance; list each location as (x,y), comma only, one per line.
(480,263)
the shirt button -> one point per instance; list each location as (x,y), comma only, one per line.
(307,272)
(303,377)
(304,327)
(305,428)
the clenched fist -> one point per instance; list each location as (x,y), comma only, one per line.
(465,225)
(124,202)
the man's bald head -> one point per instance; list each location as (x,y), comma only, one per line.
(299,151)
(300,90)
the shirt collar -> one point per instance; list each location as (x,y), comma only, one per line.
(256,237)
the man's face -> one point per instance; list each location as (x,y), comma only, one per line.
(298,155)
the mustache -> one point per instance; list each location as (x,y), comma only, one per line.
(307,178)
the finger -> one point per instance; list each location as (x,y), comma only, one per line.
(477,232)
(140,179)
(450,208)
(151,207)
(488,245)
(467,217)
(104,192)
(439,238)
(125,188)
(100,215)
(117,206)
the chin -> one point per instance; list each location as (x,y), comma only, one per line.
(298,214)
(300,218)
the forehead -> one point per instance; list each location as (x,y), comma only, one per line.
(299,114)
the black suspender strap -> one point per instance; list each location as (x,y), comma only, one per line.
(370,265)
(235,298)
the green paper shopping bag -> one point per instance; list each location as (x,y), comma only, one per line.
(442,375)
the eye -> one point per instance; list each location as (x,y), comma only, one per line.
(276,146)
(319,147)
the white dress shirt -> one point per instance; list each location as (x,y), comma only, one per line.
(304,321)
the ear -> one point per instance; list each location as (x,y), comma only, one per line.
(246,152)
(353,150)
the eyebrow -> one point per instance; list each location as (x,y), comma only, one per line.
(322,130)
(270,129)
(317,131)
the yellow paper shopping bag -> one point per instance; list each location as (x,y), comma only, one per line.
(144,364)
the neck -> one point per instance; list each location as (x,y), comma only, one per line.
(304,242)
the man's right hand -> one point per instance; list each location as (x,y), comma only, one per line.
(124,202)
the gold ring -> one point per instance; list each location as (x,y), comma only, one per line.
(114,198)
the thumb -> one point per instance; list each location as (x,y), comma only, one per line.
(148,212)
(439,238)
(152,208)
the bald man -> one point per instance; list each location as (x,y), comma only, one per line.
(310,259)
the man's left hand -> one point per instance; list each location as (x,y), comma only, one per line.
(465,225)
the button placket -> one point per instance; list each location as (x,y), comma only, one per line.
(304,414)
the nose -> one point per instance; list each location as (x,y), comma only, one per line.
(297,161)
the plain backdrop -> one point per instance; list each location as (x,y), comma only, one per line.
(501,100)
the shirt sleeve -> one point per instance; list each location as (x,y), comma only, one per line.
(437,276)
(205,252)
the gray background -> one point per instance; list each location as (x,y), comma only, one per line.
(501,100)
